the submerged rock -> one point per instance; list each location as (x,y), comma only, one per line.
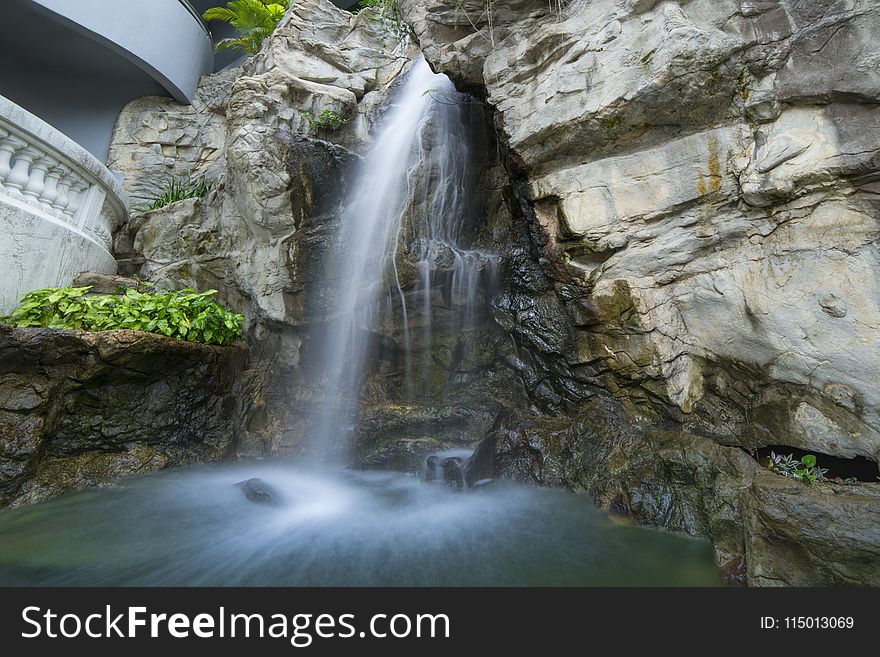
(432,466)
(453,472)
(257,490)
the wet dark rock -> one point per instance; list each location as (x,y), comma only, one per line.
(767,530)
(403,436)
(453,472)
(444,469)
(81,409)
(258,491)
(432,466)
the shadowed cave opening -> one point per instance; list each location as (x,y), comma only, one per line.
(857,469)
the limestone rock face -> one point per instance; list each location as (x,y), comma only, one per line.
(457,36)
(259,236)
(692,264)
(701,179)
(81,409)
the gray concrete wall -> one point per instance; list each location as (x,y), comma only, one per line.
(162,37)
(90,105)
(76,64)
(56,217)
(40,252)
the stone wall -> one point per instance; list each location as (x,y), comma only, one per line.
(79,409)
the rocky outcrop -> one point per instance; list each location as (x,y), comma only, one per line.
(686,199)
(704,183)
(767,530)
(260,235)
(81,409)
(692,257)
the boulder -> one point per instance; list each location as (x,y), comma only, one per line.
(80,409)
(258,491)
(768,530)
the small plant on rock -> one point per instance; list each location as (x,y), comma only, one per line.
(805,470)
(326,120)
(180,189)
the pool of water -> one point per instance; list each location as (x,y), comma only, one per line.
(335,528)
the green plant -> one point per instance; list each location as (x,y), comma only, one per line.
(254,20)
(179,189)
(805,470)
(185,314)
(386,14)
(326,120)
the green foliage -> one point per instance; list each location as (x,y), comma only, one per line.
(185,314)
(386,15)
(179,189)
(805,470)
(254,20)
(326,120)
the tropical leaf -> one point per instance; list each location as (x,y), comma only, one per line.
(186,313)
(254,20)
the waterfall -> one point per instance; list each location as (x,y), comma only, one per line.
(414,186)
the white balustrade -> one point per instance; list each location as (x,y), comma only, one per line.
(44,169)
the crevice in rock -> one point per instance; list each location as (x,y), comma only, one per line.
(853,470)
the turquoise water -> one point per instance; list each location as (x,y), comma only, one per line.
(195,527)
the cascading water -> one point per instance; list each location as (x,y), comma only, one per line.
(443,210)
(414,193)
(418,168)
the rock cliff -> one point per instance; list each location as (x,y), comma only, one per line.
(692,250)
(706,172)
(260,235)
(79,410)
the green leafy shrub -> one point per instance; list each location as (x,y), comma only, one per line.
(180,189)
(805,470)
(254,20)
(326,120)
(185,314)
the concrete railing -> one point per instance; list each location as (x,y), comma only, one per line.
(58,206)
(53,175)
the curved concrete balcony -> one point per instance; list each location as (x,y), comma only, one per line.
(58,207)
(165,38)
